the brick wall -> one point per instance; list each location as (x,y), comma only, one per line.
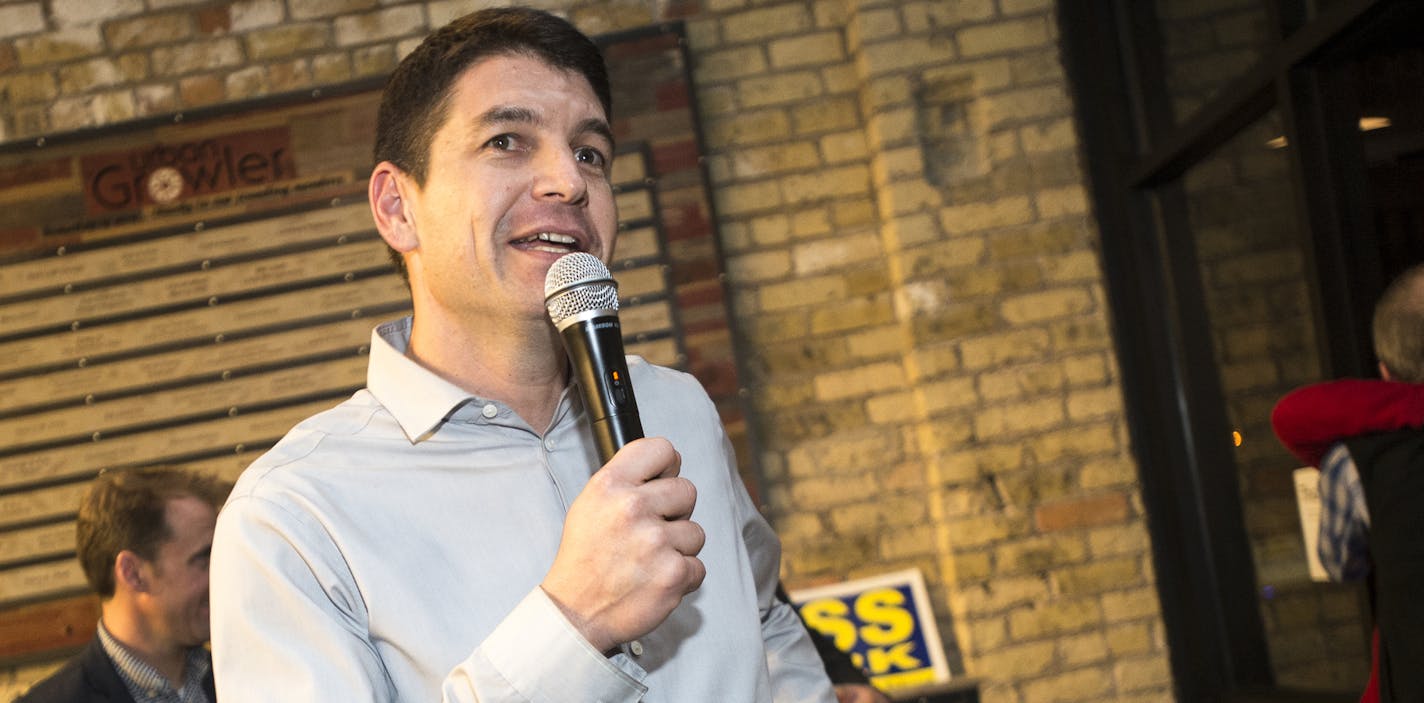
(910,257)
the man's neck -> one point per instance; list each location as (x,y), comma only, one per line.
(521,365)
(129,629)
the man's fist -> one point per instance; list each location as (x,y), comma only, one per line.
(629,548)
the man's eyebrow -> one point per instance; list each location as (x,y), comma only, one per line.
(501,114)
(594,125)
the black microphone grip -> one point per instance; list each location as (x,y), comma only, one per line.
(595,348)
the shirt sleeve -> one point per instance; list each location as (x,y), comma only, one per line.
(795,668)
(1344,518)
(289,624)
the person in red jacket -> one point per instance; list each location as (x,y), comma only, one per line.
(1366,438)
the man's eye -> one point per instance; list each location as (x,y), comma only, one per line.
(590,156)
(503,142)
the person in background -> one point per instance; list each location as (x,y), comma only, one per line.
(1365,436)
(143,537)
(448,533)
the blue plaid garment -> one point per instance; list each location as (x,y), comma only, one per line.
(1344,518)
(147,685)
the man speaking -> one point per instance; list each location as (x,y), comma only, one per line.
(448,532)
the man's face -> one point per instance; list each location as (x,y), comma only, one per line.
(518,176)
(177,598)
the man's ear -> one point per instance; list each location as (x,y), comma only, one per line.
(390,191)
(129,571)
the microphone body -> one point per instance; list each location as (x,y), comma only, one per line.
(582,299)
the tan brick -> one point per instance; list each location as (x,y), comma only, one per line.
(155,99)
(1093,403)
(852,315)
(864,380)
(1037,554)
(773,159)
(311,9)
(930,15)
(1087,648)
(197,56)
(981,530)
(892,407)
(90,110)
(1018,661)
(1100,575)
(870,25)
(806,50)
(747,128)
(1018,106)
(18,19)
(871,516)
(73,13)
(289,75)
(1129,638)
(1072,267)
(843,146)
(59,46)
(909,52)
(201,90)
(843,455)
(842,181)
(246,15)
(1143,673)
(1074,442)
(1080,334)
(28,88)
(833,113)
(1046,305)
(1022,380)
(902,542)
(380,25)
(948,394)
(1003,593)
(1136,604)
(1054,617)
(971,217)
(997,422)
(730,64)
(287,39)
(852,213)
(149,30)
(746,198)
(330,68)
(766,22)
(1049,136)
(249,82)
(759,266)
(818,493)
(1119,540)
(373,60)
(824,255)
(1061,202)
(1005,36)
(907,197)
(1005,347)
(894,127)
(1088,684)
(778,88)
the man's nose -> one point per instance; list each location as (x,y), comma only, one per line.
(559,177)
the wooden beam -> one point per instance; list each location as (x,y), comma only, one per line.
(48,629)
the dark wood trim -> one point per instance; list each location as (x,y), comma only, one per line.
(47,630)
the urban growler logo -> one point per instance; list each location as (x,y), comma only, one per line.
(162,174)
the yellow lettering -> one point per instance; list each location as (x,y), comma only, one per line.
(886,622)
(828,617)
(898,657)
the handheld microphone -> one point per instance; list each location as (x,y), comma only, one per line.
(582,299)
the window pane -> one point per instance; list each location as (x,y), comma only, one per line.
(1208,43)
(1242,217)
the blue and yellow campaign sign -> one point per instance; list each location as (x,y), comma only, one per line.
(884,622)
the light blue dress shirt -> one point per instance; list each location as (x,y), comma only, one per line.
(390,549)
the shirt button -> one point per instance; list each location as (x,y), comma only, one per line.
(549,444)
(636,648)
(489,411)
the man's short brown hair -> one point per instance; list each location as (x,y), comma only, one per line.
(127,510)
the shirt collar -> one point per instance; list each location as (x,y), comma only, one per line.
(417,398)
(142,680)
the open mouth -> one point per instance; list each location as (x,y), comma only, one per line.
(551,242)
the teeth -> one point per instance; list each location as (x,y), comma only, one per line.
(556,238)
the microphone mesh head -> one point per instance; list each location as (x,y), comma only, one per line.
(577,283)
